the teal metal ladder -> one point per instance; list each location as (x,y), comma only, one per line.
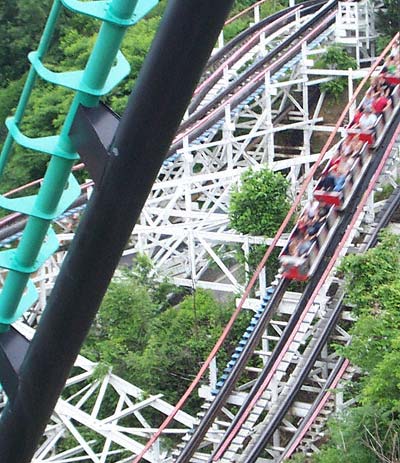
(105,68)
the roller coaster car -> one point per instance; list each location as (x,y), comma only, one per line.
(371,140)
(300,268)
(392,80)
(340,199)
(299,263)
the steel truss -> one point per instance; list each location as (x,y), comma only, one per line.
(185,229)
(102,416)
(315,382)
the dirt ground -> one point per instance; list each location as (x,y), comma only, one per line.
(330,111)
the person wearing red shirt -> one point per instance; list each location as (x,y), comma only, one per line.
(380,104)
(357,116)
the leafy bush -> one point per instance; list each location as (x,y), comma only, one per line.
(257,207)
(388,19)
(336,58)
(180,340)
(260,203)
(243,22)
(369,432)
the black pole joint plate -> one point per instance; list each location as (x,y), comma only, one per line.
(13,347)
(92,132)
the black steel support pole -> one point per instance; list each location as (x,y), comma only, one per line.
(171,70)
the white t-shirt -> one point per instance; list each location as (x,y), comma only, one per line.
(311,209)
(367,121)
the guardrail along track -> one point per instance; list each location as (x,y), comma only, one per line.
(249,81)
(275,361)
(258,436)
(238,90)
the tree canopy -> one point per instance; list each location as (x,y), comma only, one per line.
(369,431)
(260,202)
(373,287)
(73,41)
(336,57)
(257,207)
(21,24)
(145,336)
(388,19)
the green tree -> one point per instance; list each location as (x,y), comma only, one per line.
(123,325)
(21,23)
(260,203)
(49,104)
(257,207)
(373,289)
(44,116)
(158,351)
(364,434)
(388,20)
(163,293)
(336,58)
(347,444)
(371,428)
(181,340)
(9,97)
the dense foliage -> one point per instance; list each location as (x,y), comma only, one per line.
(18,32)
(336,58)
(373,286)
(71,46)
(260,203)
(149,338)
(369,432)
(49,104)
(257,207)
(388,19)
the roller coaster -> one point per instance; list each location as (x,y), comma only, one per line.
(259,420)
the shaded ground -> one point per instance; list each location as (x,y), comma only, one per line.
(331,112)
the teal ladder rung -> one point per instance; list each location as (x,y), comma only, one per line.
(49,246)
(73,79)
(100,10)
(48,145)
(29,297)
(26,205)
(103,72)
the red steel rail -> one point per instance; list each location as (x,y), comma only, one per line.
(342,370)
(253,280)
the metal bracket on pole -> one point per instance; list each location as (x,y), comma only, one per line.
(92,132)
(13,347)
